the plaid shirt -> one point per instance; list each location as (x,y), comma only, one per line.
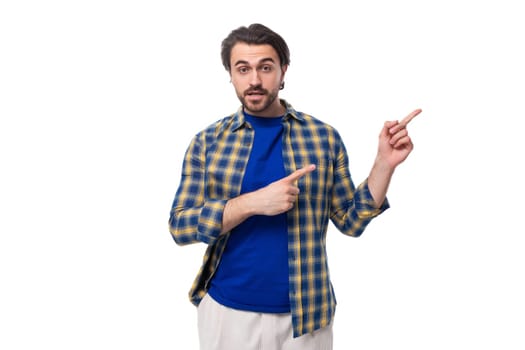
(212,173)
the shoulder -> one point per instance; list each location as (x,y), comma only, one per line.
(307,120)
(315,126)
(217,128)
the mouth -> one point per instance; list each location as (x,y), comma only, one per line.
(254,96)
(255,93)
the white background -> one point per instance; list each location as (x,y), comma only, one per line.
(99,100)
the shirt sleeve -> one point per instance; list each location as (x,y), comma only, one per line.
(193,218)
(352,209)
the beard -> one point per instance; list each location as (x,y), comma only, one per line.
(254,107)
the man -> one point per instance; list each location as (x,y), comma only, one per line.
(260,187)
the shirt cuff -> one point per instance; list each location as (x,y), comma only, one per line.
(365,204)
(210,221)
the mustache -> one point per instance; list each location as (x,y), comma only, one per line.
(255,89)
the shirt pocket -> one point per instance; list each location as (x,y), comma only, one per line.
(317,184)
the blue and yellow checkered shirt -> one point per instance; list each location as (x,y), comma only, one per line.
(212,173)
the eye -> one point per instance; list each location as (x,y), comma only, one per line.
(243,69)
(266,68)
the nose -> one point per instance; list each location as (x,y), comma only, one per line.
(255,80)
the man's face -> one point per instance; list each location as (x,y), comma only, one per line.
(257,75)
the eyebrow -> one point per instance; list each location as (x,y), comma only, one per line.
(267,59)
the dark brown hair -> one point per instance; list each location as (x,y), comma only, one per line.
(256,34)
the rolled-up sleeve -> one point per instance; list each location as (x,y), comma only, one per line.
(365,204)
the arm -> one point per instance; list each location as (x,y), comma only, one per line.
(193,217)
(196,218)
(351,208)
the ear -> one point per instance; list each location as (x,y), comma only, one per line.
(284,68)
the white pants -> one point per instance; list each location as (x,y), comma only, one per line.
(223,328)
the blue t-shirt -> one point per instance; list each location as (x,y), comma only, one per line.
(253,271)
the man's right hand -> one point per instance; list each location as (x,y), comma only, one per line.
(279,196)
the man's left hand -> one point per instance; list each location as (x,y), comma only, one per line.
(394,142)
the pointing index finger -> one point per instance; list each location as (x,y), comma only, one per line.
(409,117)
(299,173)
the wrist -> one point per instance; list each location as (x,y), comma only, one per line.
(244,204)
(383,166)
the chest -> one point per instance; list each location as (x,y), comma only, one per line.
(229,157)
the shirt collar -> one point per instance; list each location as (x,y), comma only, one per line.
(239,120)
